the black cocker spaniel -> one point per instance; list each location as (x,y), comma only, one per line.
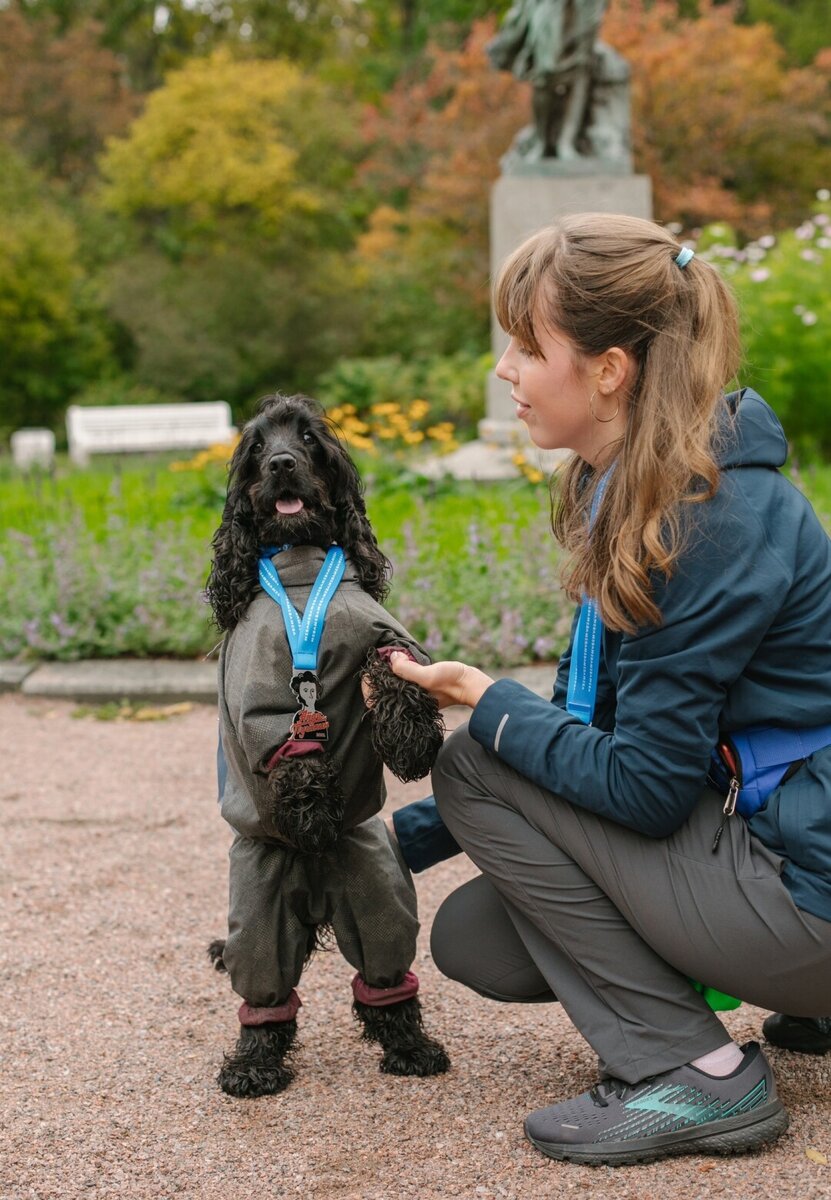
(304,785)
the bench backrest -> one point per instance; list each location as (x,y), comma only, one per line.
(135,427)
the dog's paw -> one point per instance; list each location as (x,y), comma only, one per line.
(260,1062)
(423,1058)
(215,951)
(244,1081)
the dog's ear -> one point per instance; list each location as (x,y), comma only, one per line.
(233,579)
(352,528)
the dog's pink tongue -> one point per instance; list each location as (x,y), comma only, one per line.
(289,507)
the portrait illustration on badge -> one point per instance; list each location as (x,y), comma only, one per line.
(309,724)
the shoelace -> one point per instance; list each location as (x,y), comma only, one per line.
(611,1087)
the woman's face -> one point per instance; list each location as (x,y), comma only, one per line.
(308,693)
(553,394)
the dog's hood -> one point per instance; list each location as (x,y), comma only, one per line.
(298,566)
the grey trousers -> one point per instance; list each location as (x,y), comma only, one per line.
(278,897)
(614,924)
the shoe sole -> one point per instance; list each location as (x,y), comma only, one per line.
(735,1135)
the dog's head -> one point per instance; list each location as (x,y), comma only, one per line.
(291,481)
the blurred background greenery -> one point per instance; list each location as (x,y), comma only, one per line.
(207,200)
(212,199)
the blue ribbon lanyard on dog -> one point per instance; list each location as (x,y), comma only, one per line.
(586,647)
(304,635)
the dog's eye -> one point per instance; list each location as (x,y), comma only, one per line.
(309,438)
(257,444)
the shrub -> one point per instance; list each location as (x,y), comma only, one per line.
(783,283)
(453,387)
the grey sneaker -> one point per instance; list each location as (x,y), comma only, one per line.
(682,1111)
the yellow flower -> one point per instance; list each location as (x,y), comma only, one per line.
(418,409)
(383,410)
(413,438)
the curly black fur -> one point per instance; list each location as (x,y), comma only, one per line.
(407,728)
(399,1031)
(289,450)
(305,803)
(215,952)
(260,1062)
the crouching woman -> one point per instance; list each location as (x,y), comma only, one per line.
(666,818)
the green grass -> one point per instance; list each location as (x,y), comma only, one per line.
(112,559)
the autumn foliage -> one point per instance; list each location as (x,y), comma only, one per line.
(725,130)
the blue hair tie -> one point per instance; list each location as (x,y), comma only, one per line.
(684,256)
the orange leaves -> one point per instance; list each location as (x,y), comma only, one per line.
(725,130)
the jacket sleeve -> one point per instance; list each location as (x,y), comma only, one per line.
(422,835)
(382,629)
(648,770)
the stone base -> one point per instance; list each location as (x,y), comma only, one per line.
(522,204)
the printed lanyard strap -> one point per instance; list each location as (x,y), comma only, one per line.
(586,647)
(304,635)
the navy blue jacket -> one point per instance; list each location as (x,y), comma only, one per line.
(745,640)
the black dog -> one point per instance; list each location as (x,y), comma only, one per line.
(310,857)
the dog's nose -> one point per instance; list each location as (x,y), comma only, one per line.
(284,461)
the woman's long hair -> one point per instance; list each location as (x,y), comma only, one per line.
(612,281)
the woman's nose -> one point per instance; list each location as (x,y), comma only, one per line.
(505,369)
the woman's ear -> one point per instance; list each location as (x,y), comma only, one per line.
(614,370)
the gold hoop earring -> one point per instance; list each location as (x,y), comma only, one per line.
(602,420)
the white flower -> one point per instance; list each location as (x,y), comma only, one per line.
(821,220)
(809,255)
(674,227)
(767,242)
(809,318)
(823,194)
(760,275)
(824,243)
(799,309)
(804,231)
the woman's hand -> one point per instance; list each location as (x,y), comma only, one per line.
(448,682)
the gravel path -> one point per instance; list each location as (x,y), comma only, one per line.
(113,879)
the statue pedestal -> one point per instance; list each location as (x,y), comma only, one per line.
(522,204)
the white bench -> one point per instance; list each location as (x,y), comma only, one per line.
(140,427)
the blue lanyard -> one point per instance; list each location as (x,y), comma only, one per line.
(304,636)
(586,646)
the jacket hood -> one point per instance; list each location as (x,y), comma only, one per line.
(751,436)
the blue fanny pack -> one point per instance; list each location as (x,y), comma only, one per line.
(746,766)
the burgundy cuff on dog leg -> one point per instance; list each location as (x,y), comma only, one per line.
(287,1011)
(378,996)
(386,652)
(293,749)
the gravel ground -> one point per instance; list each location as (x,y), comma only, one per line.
(113,880)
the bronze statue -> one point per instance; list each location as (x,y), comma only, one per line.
(581,85)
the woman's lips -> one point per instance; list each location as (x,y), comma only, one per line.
(521,409)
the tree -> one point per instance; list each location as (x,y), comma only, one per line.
(52,329)
(237,179)
(436,144)
(732,135)
(62,95)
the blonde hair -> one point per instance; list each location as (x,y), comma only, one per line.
(608,281)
